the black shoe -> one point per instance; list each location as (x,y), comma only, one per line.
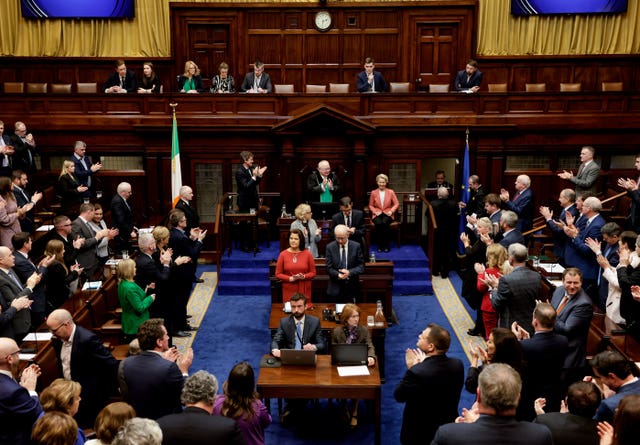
(445,275)
(198,280)
(189,316)
(181,334)
(191,328)
(474,333)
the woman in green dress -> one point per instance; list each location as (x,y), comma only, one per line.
(133,300)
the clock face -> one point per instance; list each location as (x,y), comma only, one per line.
(323,20)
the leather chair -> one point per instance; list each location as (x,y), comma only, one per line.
(570,87)
(61,88)
(535,87)
(283,88)
(315,88)
(14,87)
(438,87)
(36,87)
(612,86)
(87,87)
(338,87)
(398,87)
(497,87)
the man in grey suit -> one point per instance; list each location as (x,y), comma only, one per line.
(257,81)
(514,296)
(574,309)
(88,252)
(588,172)
(494,422)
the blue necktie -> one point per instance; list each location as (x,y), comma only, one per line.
(343,258)
(606,252)
(298,335)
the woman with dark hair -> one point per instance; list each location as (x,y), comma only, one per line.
(10,214)
(351,331)
(296,268)
(63,396)
(190,81)
(626,423)
(223,82)
(150,82)
(59,278)
(242,403)
(70,189)
(109,420)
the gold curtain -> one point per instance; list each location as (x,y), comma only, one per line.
(148,34)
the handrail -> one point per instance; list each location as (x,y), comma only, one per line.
(611,198)
(432,227)
(534,230)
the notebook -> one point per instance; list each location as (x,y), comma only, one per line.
(343,354)
(300,357)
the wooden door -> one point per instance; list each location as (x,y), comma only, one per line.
(436,50)
(209,45)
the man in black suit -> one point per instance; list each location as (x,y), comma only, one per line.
(498,395)
(476,199)
(369,80)
(154,275)
(24,268)
(446,213)
(24,147)
(88,252)
(323,184)
(544,354)
(122,217)
(521,202)
(257,81)
(577,426)
(469,79)
(152,381)
(248,178)
(83,358)
(84,168)
(121,80)
(184,204)
(514,296)
(23,198)
(298,331)
(345,264)
(633,192)
(353,219)
(606,256)
(61,231)
(430,387)
(440,182)
(509,230)
(567,200)
(6,153)
(196,425)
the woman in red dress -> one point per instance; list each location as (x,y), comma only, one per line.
(497,266)
(296,268)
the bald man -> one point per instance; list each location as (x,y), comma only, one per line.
(19,405)
(323,184)
(345,264)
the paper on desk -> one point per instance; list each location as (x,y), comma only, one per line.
(349,371)
(92,285)
(557,268)
(556,283)
(44,228)
(38,336)
(26,357)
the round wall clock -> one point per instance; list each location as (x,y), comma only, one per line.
(323,21)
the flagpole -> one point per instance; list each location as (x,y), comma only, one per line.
(176,171)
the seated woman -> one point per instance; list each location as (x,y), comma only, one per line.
(59,280)
(190,81)
(133,300)
(55,428)
(150,82)
(223,82)
(310,231)
(63,396)
(242,403)
(296,268)
(109,421)
(70,189)
(383,205)
(350,332)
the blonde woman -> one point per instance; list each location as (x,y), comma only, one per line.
(307,225)
(63,396)
(70,188)
(59,278)
(383,205)
(133,300)
(190,81)
(497,265)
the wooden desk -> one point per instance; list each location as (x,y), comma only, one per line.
(321,382)
(231,219)
(378,334)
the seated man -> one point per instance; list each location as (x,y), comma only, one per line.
(353,219)
(298,331)
(469,79)
(370,81)
(345,264)
(257,81)
(121,80)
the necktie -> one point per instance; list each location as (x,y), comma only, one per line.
(122,82)
(298,335)
(516,196)
(562,304)
(348,219)
(580,169)
(83,161)
(343,258)
(15,280)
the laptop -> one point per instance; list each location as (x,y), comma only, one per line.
(300,357)
(343,354)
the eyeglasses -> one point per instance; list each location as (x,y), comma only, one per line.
(13,353)
(53,331)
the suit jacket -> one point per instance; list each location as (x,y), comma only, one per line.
(18,411)
(190,212)
(148,270)
(357,222)
(249,78)
(634,215)
(629,307)
(57,284)
(197,80)
(570,429)
(196,426)
(339,336)
(122,218)
(285,336)
(151,384)
(24,155)
(493,430)
(476,202)
(578,254)
(523,207)
(314,186)
(21,321)
(182,245)
(585,179)
(559,238)
(512,237)
(515,298)
(462,83)
(93,366)
(363,85)
(608,406)
(23,198)
(88,253)
(573,322)
(83,174)
(431,392)
(247,189)
(24,268)
(71,197)
(130,83)
(349,288)
(390,203)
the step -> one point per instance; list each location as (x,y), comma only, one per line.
(411,273)
(411,287)
(244,288)
(241,274)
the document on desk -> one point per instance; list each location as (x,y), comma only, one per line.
(350,371)
(92,285)
(38,336)
(552,267)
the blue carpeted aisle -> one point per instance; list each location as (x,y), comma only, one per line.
(235,328)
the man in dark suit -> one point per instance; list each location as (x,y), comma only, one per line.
(85,361)
(606,256)
(122,217)
(6,153)
(476,198)
(184,204)
(567,199)
(578,253)
(154,275)
(369,80)
(121,80)
(88,253)
(19,405)
(441,182)
(628,278)
(446,213)
(521,203)
(152,381)
(24,147)
(298,331)
(248,178)
(498,395)
(345,264)
(257,81)
(631,186)
(575,310)
(544,353)
(23,198)
(469,79)
(196,425)
(61,231)
(613,370)
(430,388)
(588,172)
(353,219)
(577,426)
(508,228)
(514,296)
(24,268)
(85,170)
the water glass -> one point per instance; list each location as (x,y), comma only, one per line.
(370,322)
(125,254)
